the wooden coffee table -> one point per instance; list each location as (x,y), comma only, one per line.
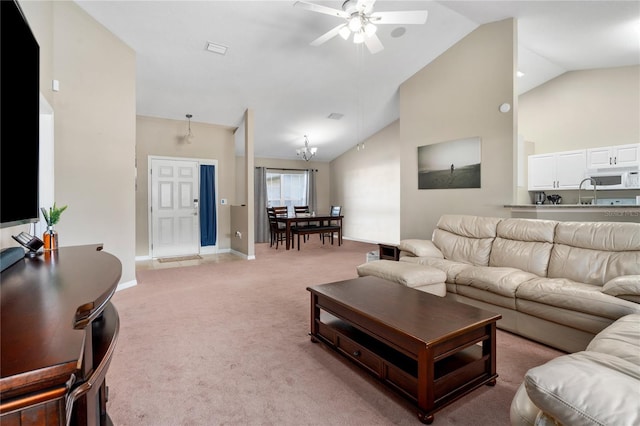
(429,349)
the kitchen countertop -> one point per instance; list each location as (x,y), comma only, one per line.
(572,206)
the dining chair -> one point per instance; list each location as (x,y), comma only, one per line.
(334,226)
(300,211)
(277,230)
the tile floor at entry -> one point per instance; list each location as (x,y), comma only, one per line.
(206,258)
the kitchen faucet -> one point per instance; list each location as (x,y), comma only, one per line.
(594,190)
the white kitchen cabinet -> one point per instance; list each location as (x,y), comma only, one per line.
(558,170)
(617,156)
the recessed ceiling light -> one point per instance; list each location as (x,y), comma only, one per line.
(216,48)
(335,116)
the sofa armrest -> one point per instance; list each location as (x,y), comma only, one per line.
(421,248)
(626,287)
(587,388)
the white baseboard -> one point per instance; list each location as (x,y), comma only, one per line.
(242,255)
(141,258)
(126,285)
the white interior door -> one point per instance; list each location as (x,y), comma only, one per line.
(174,208)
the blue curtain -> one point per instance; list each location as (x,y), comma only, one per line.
(207,206)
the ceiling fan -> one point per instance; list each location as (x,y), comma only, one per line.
(361,21)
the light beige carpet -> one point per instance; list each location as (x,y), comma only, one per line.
(228,344)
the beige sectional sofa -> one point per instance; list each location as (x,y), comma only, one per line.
(597,386)
(559,283)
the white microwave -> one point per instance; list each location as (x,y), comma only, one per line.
(615,180)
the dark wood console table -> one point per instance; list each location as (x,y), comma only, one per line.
(59,330)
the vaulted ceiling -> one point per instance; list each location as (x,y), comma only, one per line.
(293,87)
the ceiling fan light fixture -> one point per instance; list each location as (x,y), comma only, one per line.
(345,32)
(370,29)
(355,23)
(358,37)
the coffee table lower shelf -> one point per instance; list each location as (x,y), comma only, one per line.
(431,377)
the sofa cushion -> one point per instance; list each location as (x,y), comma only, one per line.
(574,296)
(525,255)
(466,239)
(502,281)
(621,339)
(527,229)
(449,267)
(420,248)
(604,236)
(626,287)
(474,251)
(595,252)
(587,388)
(408,274)
(591,266)
(469,226)
(523,244)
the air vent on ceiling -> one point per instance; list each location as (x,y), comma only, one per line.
(335,116)
(216,48)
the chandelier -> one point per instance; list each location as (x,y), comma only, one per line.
(306,153)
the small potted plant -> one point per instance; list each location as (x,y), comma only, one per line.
(52,216)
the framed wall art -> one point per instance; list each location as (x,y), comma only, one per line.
(450,164)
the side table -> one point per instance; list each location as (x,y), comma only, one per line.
(389,251)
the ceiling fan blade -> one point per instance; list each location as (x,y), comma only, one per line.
(366,6)
(321,9)
(373,44)
(400,17)
(327,36)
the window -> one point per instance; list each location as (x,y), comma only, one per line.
(287,188)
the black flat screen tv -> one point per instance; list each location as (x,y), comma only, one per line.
(19,117)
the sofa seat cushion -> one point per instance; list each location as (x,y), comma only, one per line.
(486,297)
(574,296)
(626,287)
(587,388)
(449,267)
(503,281)
(408,274)
(621,339)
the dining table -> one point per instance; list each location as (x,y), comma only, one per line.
(323,219)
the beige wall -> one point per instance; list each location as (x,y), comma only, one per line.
(366,183)
(240,224)
(94,134)
(94,124)
(457,96)
(582,109)
(163,137)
